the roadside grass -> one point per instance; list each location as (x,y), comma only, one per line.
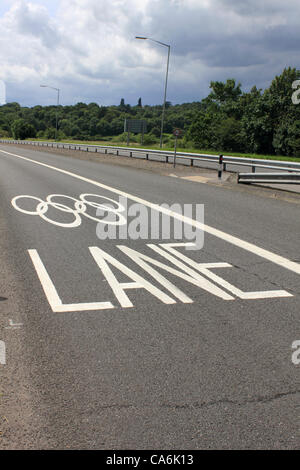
(109,143)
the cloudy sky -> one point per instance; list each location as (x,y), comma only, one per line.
(88,49)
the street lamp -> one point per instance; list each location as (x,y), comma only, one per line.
(58,90)
(166,82)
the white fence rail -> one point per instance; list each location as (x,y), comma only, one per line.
(192,159)
(278,178)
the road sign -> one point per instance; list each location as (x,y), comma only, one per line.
(137,126)
(177,132)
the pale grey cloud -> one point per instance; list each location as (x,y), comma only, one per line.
(34,20)
(259,8)
(87,47)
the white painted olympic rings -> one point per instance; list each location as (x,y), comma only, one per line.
(79,209)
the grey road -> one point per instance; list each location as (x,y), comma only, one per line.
(135,343)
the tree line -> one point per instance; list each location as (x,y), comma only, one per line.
(227,120)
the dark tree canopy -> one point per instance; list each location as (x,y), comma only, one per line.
(227,120)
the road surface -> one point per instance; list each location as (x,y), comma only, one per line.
(141,343)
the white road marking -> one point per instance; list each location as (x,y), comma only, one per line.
(118,288)
(261,252)
(78,210)
(102,259)
(52,295)
(191,276)
(204,269)
(2,353)
(296,354)
(184,272)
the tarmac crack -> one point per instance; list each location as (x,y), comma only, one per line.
(227,401)
(264,279)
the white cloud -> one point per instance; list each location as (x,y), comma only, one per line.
(87,47)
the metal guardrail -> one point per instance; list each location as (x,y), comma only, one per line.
(168,156)
(278,178)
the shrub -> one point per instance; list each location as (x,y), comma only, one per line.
(22,130)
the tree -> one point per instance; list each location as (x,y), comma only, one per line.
(257,126)
(22,130)
(117,126)
(155,131)
(202,132)
(229,136)
(93,126)
(103,127)
(75,131)
(293,139)
(3,133)
(224,92)
(265,122)
(287,139)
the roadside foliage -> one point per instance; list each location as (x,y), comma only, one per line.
(227,120)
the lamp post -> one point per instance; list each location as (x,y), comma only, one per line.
(58,91)
(166,83)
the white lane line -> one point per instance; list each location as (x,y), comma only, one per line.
(52,295)
(2,353)
(256,250)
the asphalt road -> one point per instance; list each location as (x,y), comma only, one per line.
(102,352)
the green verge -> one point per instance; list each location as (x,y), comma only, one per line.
(186,150)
